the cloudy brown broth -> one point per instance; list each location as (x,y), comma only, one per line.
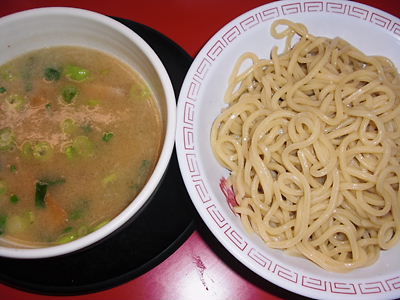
(80,133)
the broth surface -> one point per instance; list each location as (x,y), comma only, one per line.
(80,133)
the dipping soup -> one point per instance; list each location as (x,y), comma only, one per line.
(80,134)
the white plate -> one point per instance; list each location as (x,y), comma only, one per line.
(201,100)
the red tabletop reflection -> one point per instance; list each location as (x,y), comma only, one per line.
(201,268)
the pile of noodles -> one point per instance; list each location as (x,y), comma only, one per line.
(312,139)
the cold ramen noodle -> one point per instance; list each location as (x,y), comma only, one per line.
(312,139)
(80,133)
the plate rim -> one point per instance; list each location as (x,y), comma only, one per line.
(186,142)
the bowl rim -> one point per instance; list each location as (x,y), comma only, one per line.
(166,150)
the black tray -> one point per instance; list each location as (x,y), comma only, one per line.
(161,226)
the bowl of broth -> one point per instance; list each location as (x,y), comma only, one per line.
(87,129)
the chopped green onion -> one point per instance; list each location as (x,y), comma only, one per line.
(107,136)
(87,128)
(76,73)
(14,198)
(134,187)
(98,226)
(76,214)
(109,179)
(68,229)
(30,216)
(52,74)
(144,168)
(6,74)
(42,150)
(48,106)
(41,190)
(83,146)
(69,126)
(105,72)
(3,187)
(93,103)
(2,89)
(139,91)
(83,230)
(69,93)
(16,102)
(27,149)
(13,168)
(39,150)
(143,171)
(79,211)
(70,152)
(52,181)
(3,223)
(7,139)
(142,174)
(66,238)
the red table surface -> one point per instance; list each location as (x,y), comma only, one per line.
(199,269)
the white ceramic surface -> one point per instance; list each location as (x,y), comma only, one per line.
(55,26)
(201,100)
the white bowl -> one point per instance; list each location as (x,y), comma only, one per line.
(56,26)
(201,100)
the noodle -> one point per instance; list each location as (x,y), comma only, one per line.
(312,140)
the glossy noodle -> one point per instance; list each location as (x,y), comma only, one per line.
(311,137)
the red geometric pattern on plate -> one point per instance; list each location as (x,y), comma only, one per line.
(202,69)
(269,14)
(188,113)
(250,22)
(313,283)
(194,89)
(358,12)
(188,139)
(231,35)
(313,6)
(396,29)
(286,273)
(259,258)
(394,283)
(191,161)
(215,50)
(202,191)
(372,287)
(338,8)
(380,20)
(292,8)
(216,216)
(343,288)
(236,238)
